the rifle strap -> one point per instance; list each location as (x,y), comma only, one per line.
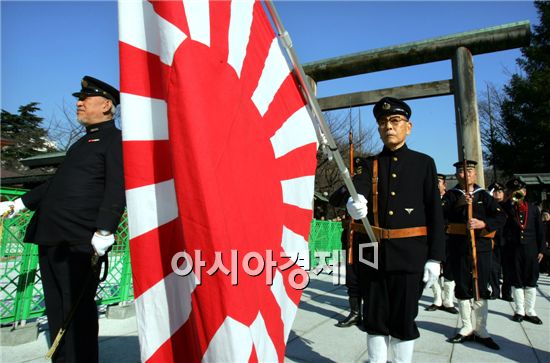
(460,229)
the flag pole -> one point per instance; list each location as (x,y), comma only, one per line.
(317,113)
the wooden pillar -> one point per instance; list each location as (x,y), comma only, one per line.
(467,119)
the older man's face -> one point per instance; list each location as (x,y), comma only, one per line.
(93,109)
(393,130)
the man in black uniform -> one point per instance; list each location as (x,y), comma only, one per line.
(499,263)
(76,214)
(485,219)
(444,291)
(401,187)
(524,235)
(338,199)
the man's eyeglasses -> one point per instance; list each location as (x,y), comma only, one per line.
(394,121)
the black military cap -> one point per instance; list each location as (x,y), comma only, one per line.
(391,106)
(94,87)
(515,184)
(495,186)
(441,176)
(469,163)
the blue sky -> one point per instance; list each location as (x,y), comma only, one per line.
(46,47)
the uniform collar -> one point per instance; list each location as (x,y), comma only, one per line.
(477,188)
(387,151)
(100,126)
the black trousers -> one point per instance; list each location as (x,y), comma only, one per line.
(462,270)
(352,271)
(66,274)
(495,272)
(391,303)
(506,260)
(447,268)
(525,267)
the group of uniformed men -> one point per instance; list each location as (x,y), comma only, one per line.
(424,231)
(415,221)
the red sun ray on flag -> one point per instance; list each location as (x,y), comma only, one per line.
(219,158)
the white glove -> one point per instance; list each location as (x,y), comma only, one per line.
(432,270)
(325,147)
(357,210)
(324,140)
(13,207)
(102,243)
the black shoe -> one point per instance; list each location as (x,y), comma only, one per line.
(432,307)
(352,319)
(506,298)
(518,318)
(450,309)
(488,342)
(461,338)
(533,319)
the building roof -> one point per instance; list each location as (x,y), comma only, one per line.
(47,159)
(535,178)
(9,173)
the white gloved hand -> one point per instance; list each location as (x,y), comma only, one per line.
(325,147)
(432,270)
(15,206)
(357,210)
(102,243)
(324,140)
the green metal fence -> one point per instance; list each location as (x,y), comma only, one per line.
(21,296)
(324,236)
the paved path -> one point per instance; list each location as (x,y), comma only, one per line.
(314,338)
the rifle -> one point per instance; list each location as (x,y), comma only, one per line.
(350,231)
(472,235)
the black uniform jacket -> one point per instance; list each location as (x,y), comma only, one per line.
(533,232)
(484,208)
(407,197)
(86,193)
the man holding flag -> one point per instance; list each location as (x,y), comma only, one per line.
(405,209)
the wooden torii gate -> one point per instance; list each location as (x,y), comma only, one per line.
(459,48)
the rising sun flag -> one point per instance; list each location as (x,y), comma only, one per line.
(219,159)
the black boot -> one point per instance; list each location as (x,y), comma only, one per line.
(506,292)
(354,317)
